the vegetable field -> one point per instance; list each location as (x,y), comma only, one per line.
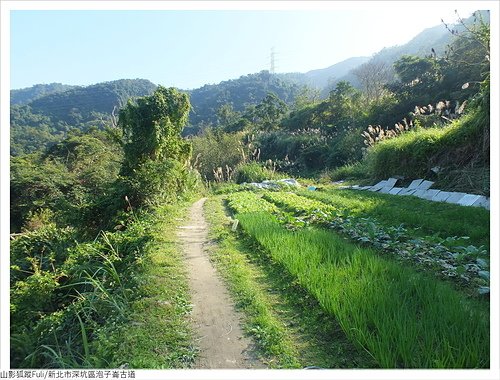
(411,297)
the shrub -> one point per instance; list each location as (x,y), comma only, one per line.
(213,150)
(345,149)
(253,172)
(357,170)
(155,182)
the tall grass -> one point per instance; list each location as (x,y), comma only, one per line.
(121,298)
(414,153)
(403,318)
(272,338)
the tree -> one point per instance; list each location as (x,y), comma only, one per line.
(373,76)
(270,111)
(152,128)
(226,116)
(156,156)
(420,79)
(468,56)
(306,96)
(344,106)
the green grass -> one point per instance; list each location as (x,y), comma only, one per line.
(414,153)
(276,349)
(356,171)
(404,318)
(289,326)
(121,299)
(424,217)
(158,334)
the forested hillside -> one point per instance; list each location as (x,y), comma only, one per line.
(27,95)
(239,95)
(47,118)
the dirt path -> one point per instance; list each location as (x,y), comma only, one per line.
(220,337)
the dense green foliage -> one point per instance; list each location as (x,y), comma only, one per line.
(67,182)
(240,93)
(85,241)
(152,126)
(75,303)
(214,149)
(79,104)
(156,155)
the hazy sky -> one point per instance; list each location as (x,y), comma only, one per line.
(190,48)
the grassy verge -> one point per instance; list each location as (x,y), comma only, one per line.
(289,326)
(158,334)
(120,299)
(424,217)
(403,318)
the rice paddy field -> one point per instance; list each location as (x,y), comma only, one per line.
(406,280)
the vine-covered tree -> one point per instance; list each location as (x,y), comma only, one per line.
(152,127)
(156,156)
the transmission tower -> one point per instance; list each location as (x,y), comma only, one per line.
(273,56)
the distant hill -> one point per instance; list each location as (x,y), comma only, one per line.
(27,95)
(326,79)
(246,90)
(437,38)
(46,119)
(322,77)
(80,104)
(48,116)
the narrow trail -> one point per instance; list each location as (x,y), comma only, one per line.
(215,320)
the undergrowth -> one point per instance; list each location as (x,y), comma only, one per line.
(74,303)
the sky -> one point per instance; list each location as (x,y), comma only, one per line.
(190,48)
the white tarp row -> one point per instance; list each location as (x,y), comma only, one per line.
(421,188)
(270,184)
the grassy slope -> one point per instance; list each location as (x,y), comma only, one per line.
(460,149)
(289,326)
(415,152)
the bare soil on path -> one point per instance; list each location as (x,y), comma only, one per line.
(216,322)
